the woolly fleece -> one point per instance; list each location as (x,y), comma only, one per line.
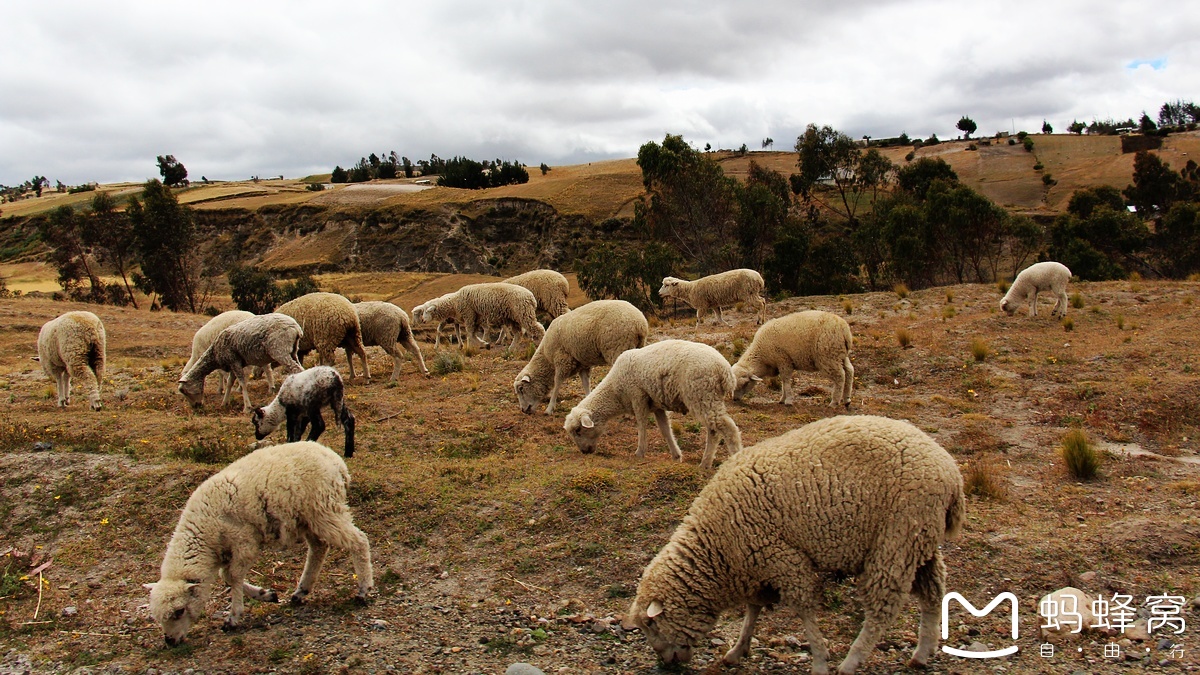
(811,341)
(549,287)
(329,321)
(495,305)
(300,400)
(73,346)
(1044,276)
(205,335)
(258,341)
(719,290)
(384,325)
(282,494)
(862,495)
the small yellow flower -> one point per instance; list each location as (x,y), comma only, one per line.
(104,521)
(308,656)
(57,497)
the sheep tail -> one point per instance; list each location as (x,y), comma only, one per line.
(343,418)
(956,514)
(406,334)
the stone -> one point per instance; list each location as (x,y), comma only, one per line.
(1165,644)
(43,446)
(1087,577)
(977,647)
(1138,631)
(523,669)
(379,624)
(70,611)
(1070,602)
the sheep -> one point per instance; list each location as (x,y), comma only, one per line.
(812,341)
(383,325)
(862,495)
(299,401)
(257,341)
(717,290)
(675,375)
(280,494)
(208,332)
(1043,276)
(592,335)
(549,287)
(443,309)
(495,305)
(74,346)
(329,321)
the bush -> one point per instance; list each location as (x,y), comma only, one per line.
(980,349)
(1028,143)
(302,285)
(1077,300)
(903,337)
(1038,167)
(315,187)
(447,362)
(1068,324)
(909,157)
(253,290)
(1048,180)
(984,478)
(1081,459)
(901,291)
(1012,141)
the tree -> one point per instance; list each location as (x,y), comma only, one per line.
(63,231)
(1155,186)
(762,213)
(966,125)
(545,168)
(915,178)
(831,158)
(1076,127)
(1046,128)
(253,290)
(632,274)
(339,175)
(1178,113)
(109,233)
(407,164)
(37,184)
(172,170)
(1146,125)
(164,234)
(768,142)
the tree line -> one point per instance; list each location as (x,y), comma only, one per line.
(460,172)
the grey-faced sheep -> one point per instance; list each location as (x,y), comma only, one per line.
(443,309)
(282,494)
(860,495)
(329,321)
(549,287)
(672,375)
(208,332)
(496,305)
(300,400)
(592,335)
(719,290)
(811,341)
(258,341)
(72,346)
(384,325)
(1043,276)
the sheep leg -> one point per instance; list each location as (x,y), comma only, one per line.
(816,643)
(837,376)
(348,429)
(256,592)
(1033,303)
(235,575)
(270,368)
(639,412)
(318,423)
(785,385)
(743,642)
(293,424)
(362,355)
(317,550)
(721,319)
(929,586)
(413,348)
(240,373)
(882,587)
(847,381)
(1060,307)
(558,378)
(337,529)
(664,426)
(585,376)
(63,382)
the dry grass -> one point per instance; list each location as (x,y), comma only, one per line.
(1081,459)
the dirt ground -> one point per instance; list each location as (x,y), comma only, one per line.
(495,541)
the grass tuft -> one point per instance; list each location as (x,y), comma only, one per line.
(1002,285)
(903,337)
(901,291)
(447,362)
(980,349)
(848,307)
(984,478)
(1068,324)
(1077,300)
(1081,459)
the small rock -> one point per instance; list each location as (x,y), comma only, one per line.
(523,669)
(1125,643)
(1071,602)
(70,611)
(977,647)
(1196,602)
(1087,577)
(43,446)
(717,642)
(379,624)
(1165,644)
(1138,631)
(599,627)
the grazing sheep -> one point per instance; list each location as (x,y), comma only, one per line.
(812,341)
(718,290)
(73,346)
(329,321)
(868,496)
(383,325)
(592,335)
(1043,276)
(674,375)
(444,310)
(257,341)
(549,287)
(208,332)
(299,401)
(280,494)
(498,304)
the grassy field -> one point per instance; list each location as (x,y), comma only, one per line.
(495,541)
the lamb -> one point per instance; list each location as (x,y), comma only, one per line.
(74,346)
(862,495)
(812,341)
(444,310)
(299,401)
(718,290)
(1043,276)
(675,375)
(592,335)
(329,321)
(549,287)
(495,305)
(383,325)
(257,341)
(208,332)
(280,494)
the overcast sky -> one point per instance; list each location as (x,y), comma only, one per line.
(93,91)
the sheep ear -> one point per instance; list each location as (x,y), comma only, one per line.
(526,378)
(150,587)
(193,588)
(755,378)
(586,422)
(654,609)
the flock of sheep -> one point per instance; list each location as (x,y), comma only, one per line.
(862,495)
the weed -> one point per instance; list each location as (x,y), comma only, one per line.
(479,444)
(447,362)
(901,291)
(949,296)
(1068,324)
(984,478)
(948,312)
(1077,300)
(279,655)
(593,481)
(903,338)
(739,347)
(980,349)
(207,450)
(848,307)
(618,591)
(1082,460)
(1120,322)
(1002,285)
(469,350)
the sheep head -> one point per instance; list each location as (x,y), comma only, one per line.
(1009,307)
(648,616)
(175,604)
(529,393)
(582,429)
(669,286)
(193,391)
(744,381)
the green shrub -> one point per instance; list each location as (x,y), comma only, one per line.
(447,362)
(1068,324)
(1028,144)
(1081,459)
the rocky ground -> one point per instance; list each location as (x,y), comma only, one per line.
(496,542)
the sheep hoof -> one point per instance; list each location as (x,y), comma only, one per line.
(732,657)
(231,624)
(362,600)
(914,663)
(297,598)
(270,596)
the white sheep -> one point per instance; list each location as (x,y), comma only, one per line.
(383,325)
(281,494)
(443,309)
(811,341)
(595,334)
(495,305)
(1044,276)
(299,401)
(718,290)
(862,495)
(208,332)
(258,341)
(73,346)
(672,375)
(549,287)
(329,321)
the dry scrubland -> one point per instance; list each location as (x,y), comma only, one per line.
(495,541)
